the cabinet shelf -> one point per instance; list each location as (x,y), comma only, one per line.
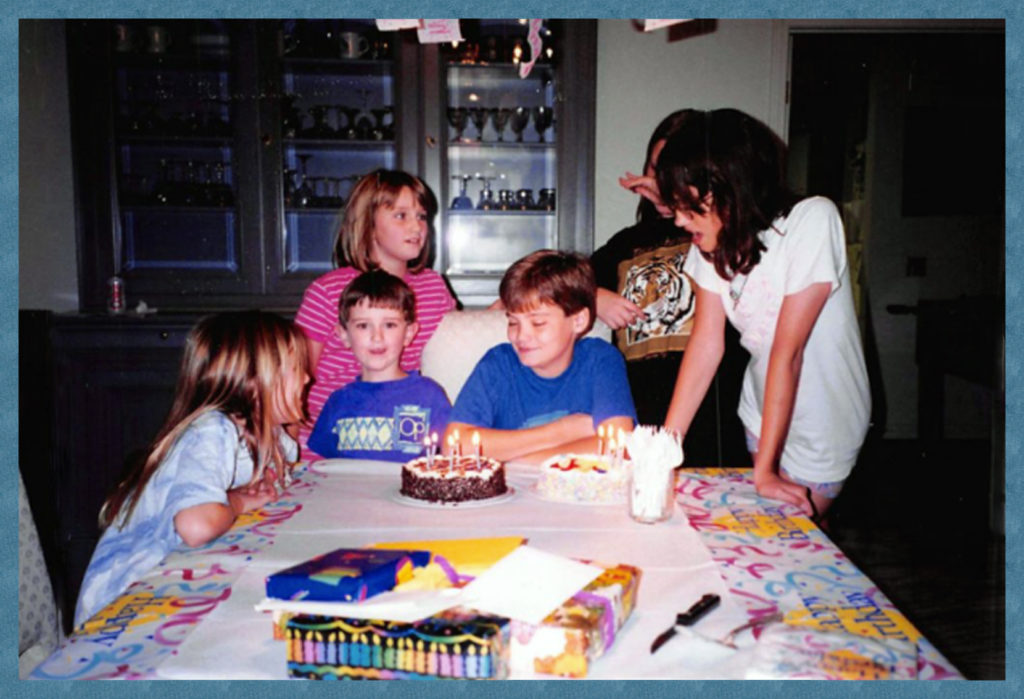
(340,143)
(202,60)
(176,208)
(515,145)
(357,65)
(498,212)
(315,210)
(143,139)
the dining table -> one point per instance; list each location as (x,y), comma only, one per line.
(792,604)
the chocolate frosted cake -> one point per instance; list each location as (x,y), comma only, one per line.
(450,479)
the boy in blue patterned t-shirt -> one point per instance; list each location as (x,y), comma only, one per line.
(386,413)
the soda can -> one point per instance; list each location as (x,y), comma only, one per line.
(115,295)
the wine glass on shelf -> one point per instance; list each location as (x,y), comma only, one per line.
(517,122)
(462,201)
(500,117)
(380,131)
(320,127)
(542,120)
(304,193)
(351,114)
(486,202)
(458,117)
(478,115)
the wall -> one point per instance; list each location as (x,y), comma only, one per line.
(48,277)
(644,76)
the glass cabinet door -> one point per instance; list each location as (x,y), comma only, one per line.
(174,126)
(338,122)
(502,156)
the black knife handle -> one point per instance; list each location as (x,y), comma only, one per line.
(701,607)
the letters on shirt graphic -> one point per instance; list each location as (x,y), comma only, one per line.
(403,431)
(655,281)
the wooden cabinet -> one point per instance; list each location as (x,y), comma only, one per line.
(113,381)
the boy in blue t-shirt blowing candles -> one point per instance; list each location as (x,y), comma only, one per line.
(549,389)
(386,413)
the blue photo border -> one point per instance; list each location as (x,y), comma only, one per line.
(10,686)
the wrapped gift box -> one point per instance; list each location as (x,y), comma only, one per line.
(456,644)
(580,630)
(345,575)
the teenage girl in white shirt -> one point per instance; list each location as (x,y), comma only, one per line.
(774,266)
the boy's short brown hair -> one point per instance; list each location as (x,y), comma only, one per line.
(381,290)
(564,279)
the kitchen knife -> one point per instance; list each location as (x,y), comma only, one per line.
(701,607)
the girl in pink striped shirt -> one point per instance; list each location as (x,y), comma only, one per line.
(387,226)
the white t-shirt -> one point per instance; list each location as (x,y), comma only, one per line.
(833,402)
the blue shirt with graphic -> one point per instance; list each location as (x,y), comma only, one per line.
(503,394)
(384,420)
(208,459)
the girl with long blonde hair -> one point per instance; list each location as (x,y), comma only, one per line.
(223,447)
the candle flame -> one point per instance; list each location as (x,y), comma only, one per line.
(476,438)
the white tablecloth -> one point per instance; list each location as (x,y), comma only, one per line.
(356,506)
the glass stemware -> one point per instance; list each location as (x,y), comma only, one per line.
(351,114)
(379,130)
(462,201)
(542,120)
(320,127)
(518,120)
(500,117)
(478,115)
(458,117)
(486,202)
(304,193)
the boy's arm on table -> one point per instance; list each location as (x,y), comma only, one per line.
(505,445)
(582,445)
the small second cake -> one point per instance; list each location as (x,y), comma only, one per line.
(583,478)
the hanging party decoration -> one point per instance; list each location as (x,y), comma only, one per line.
(436,31)
(651,24)
(533,39)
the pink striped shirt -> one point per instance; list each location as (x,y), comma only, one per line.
(318,318)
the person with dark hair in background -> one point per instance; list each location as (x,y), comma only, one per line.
(645,297)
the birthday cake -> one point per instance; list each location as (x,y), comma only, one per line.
(584,478)
(453,479)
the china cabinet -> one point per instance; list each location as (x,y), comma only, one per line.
(213,158)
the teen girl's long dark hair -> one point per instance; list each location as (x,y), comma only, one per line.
(740,162)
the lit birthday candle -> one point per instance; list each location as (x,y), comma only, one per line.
(600,440)
(458,443)
(433,443)
(620,439)
(451,445)
(428,452)
(476,448)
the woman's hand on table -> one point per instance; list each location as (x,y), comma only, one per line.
(774,486)
(615,311)
(647,187)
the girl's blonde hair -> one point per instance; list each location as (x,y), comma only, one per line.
(353,244)
(233,364)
